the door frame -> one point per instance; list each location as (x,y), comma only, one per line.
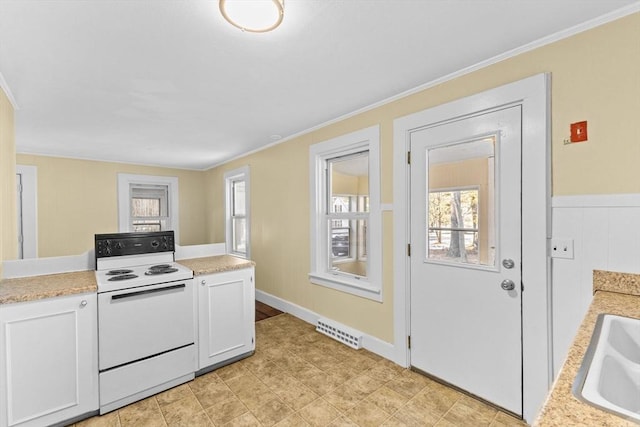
(533,94)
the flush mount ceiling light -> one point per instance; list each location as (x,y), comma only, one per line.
(254,16)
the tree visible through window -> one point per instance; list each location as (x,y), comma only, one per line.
(453,225)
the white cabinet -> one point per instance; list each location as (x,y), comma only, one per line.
(49,360)
(226,311)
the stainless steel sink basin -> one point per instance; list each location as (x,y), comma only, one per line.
(609,377)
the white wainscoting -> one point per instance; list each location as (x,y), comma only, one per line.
(606,237)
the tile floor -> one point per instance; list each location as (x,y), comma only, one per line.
(298,377)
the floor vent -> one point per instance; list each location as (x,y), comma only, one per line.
(341,333)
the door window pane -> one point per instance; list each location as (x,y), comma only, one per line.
(460,204)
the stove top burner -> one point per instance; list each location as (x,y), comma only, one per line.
(155,271)
(119,272)
(122,277)
(160,267)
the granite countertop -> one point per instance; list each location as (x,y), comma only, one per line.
(32,288)
(215,264)
(615,293)
(24,289)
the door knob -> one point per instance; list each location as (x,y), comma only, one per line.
(508,263)
(508,285)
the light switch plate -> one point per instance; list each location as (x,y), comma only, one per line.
(562,248)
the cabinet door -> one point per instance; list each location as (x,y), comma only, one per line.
(49,360)
(226,307)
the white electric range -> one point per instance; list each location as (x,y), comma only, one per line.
(146,330)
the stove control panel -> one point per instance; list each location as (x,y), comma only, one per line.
(120,244)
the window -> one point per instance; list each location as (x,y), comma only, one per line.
(237,212)
(147,203)
(345,214)
(149,207)
(453,226)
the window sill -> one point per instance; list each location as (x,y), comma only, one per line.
(343,283)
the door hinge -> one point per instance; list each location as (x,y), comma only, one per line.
(409,249)
(408,157)
(409,342)
(19,188)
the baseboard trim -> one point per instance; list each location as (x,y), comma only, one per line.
(369,342)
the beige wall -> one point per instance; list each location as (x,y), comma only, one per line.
(78,198)
(8,224)
(595,77)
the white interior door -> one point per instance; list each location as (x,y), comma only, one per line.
(466,324)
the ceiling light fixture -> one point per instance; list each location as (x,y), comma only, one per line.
(254,16)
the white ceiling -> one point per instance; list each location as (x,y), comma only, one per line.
(170,83)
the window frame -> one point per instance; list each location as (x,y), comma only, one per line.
(230,177)
(367,139)
(125,181)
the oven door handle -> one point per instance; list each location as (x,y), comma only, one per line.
(148,291)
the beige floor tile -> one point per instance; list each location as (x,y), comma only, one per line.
(345,397)
(272,412)
(414,417)
(199,419)
(384,372)
(322,383)
(293,420)
(504,420)
(343,421)
(224,411)
(365,384)
(437,403)
(204,381)
(176,412)
(319,413)
(255,400)
(387,399)
(230,371)
(213,393)
(297,397)
(465,415)
(244,420)
(177,393)
(145,413)
(406,386)
(107,420)
(366,413)
(298,377)
(395,422)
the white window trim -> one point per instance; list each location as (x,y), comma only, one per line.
(370,287)
(240,174)
(124,206)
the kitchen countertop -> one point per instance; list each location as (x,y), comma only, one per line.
(615,293)
(24,289)
(32,288)
(215,264)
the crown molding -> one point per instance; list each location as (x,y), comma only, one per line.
(5,87)
(552,38)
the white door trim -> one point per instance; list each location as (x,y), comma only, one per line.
(533,95)
(29,210)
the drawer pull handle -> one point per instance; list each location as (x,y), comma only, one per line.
(148,291)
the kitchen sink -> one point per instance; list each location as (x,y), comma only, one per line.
(609,377)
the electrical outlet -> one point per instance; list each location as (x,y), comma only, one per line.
(561,248)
